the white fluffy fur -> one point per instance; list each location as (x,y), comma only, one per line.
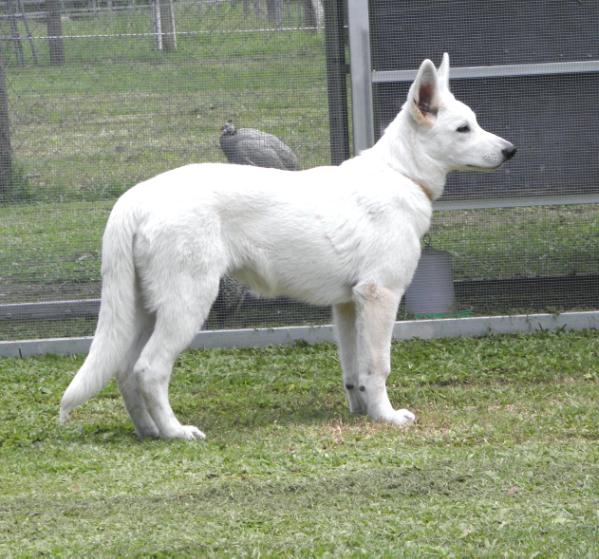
(346,236)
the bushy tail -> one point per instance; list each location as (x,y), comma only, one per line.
(116,331)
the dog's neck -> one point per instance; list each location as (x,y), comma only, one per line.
(396,149)
(425,188)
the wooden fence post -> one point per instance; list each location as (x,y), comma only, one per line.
(167,16)
(313,14)
(55,40)
(163,16)
(274,11)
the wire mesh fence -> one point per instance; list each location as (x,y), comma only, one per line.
(103,94)
(530,70)
(123,101)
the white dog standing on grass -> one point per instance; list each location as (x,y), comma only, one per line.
(346,236)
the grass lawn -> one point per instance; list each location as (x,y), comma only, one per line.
(503,461)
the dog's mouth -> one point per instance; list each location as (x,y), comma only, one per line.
(479,169)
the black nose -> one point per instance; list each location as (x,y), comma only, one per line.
(509,152)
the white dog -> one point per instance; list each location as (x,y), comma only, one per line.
(346,236)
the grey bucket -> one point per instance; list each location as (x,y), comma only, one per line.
(431,291)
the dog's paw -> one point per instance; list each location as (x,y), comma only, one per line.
(191,433)
(401,418)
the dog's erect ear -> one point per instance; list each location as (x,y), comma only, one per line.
(424,98)
(443,72)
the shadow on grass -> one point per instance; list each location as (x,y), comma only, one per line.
(115,426)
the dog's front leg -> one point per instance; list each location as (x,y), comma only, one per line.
(376,309)
(344,317)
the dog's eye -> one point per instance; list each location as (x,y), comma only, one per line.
(463,129)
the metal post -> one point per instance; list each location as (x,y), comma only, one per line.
(361,75)
(157,24)
(336,81)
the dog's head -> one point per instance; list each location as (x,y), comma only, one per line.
(446,130)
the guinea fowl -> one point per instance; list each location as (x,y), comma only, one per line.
(248,146)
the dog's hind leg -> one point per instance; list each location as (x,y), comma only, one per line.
(344,317)
(128,382)
(179,316)
(376,309)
